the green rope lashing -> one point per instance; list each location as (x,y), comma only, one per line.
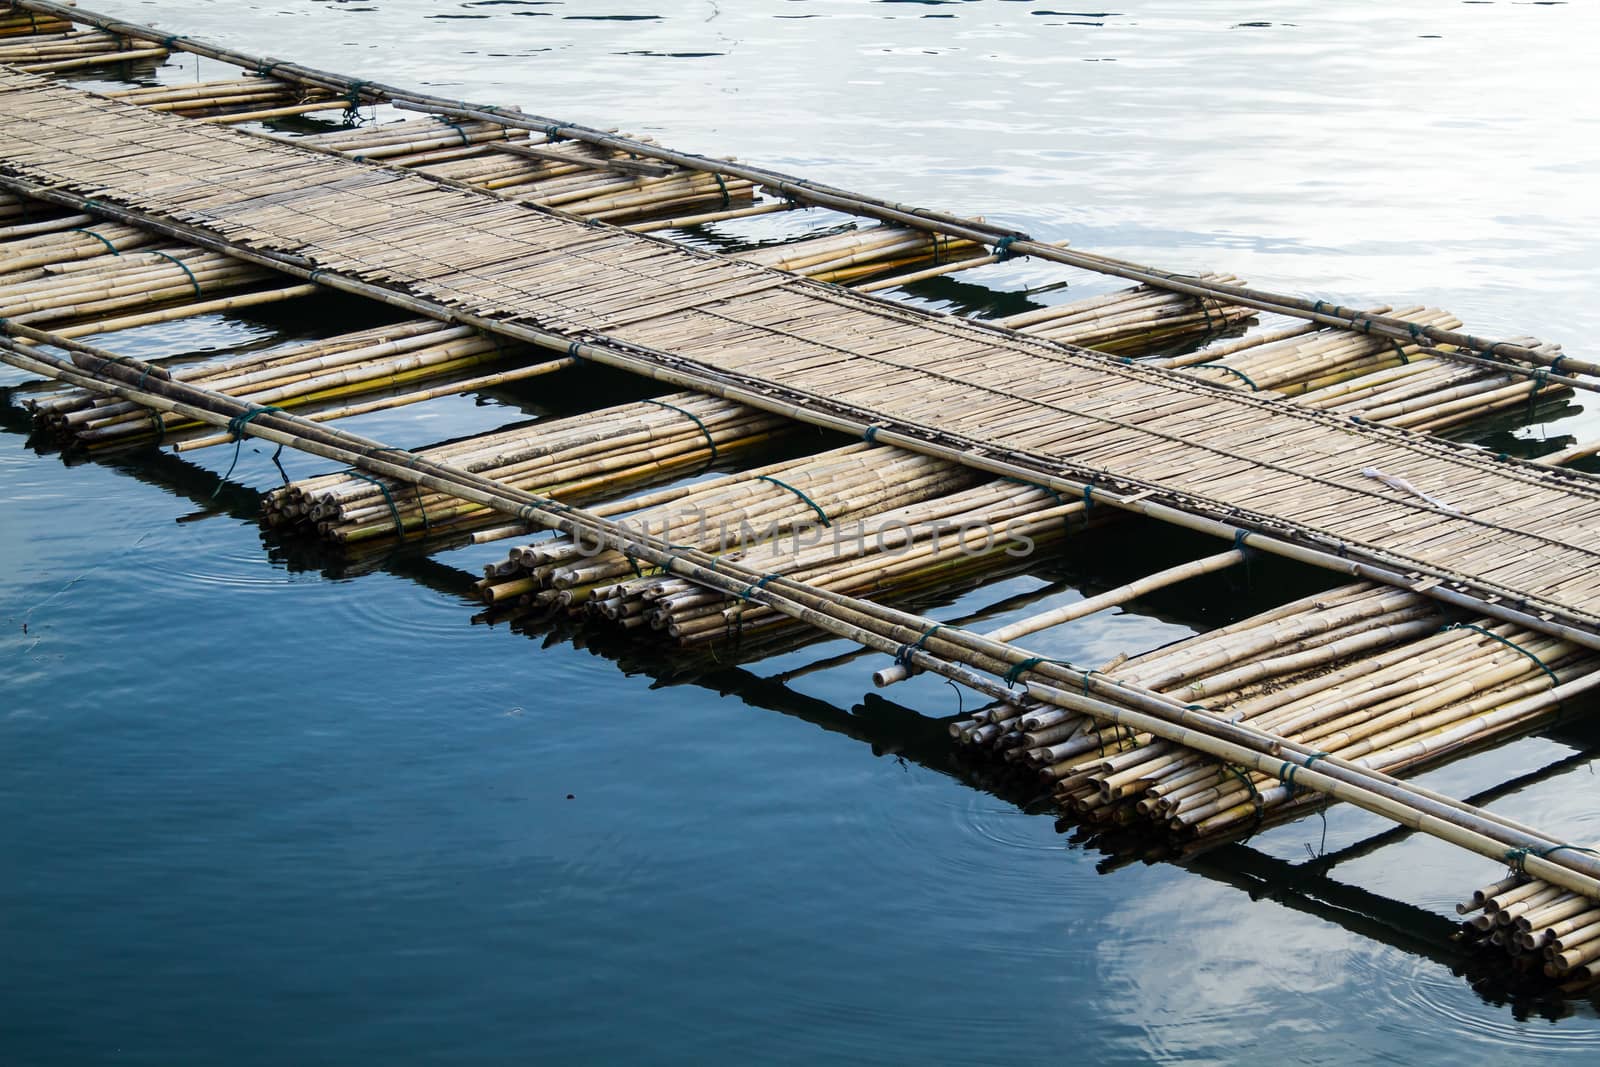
(1019,669)
(1517,858)
(236,427)
(823,515)
(1286,776)
(1400,350)
(904,653)
(870,436)
(1002,248)
(1542,665)
(181,265)
(1249,783)
(427,524)
(1241,375)
(1555,364)
(388,498)
(113,249)
(711,441)
(1541,378)
(759,583)
(352,107)
(723,186)
(461,133)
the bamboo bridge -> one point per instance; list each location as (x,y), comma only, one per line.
(518,247)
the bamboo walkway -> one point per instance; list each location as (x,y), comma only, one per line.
(1512,531)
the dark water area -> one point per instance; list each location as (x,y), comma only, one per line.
(257,809)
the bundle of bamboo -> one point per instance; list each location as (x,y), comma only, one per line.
(1539,925)
(1379,379)
(1360,672)
(323,376)
(236,99)
(737,514)
(579,179)
(1133,320)
(584,457)
(53,53)
(844,257)
(15,22)
(56,286)
(932,543)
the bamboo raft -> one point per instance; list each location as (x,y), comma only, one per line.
(786,344)
(1481,624)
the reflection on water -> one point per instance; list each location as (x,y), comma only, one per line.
(256,813)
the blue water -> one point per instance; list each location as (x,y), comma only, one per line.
(254,813)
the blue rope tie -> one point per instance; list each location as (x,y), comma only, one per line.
(1019,669)
(903,655)
(572,350)
(823,515)
(1241,375)
(759,583)
(1555,364)
(710,440)
(1088,496)
(181,265)
(101,238)
(388,498)
(1542,665)
(1517,858)
(1002,248)
(236,427)
(871,435)
(1249,783)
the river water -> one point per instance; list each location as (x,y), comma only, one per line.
(251,812)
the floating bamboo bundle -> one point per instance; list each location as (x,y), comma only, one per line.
(321,374)
(583,457)
(67,289)
(950,538)
(58,52)
(784,501)
(579,179)
(1361,672)
(848,256)
(1538,925)
(1373,378)
(18,23)
(241,98)
(1132,320)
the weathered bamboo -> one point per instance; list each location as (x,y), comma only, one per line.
(798,189)
(1479,831)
